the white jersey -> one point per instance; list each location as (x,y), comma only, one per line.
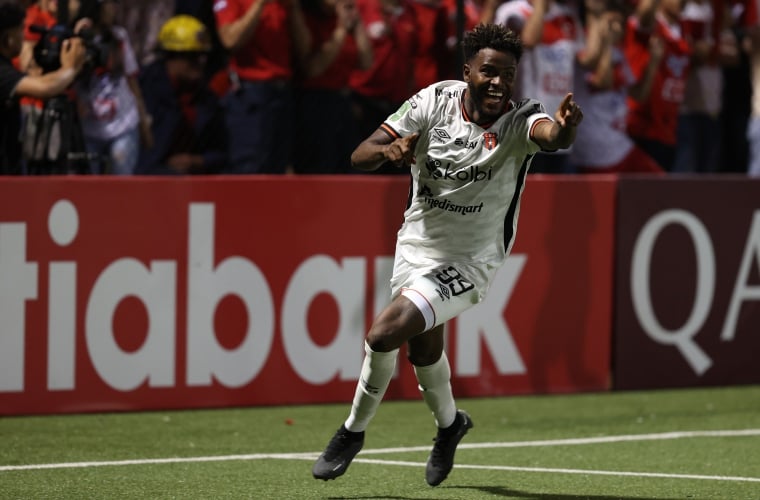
(466,179)
(108,107)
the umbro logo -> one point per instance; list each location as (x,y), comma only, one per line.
(441,133)
(369,388)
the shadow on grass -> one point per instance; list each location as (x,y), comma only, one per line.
(380,497)
(503,491)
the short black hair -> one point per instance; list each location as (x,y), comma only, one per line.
(11,15)
(491,36)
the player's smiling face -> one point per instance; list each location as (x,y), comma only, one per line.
(490,77)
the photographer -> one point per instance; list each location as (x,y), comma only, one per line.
(14,84)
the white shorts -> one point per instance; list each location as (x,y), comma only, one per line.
(443,291)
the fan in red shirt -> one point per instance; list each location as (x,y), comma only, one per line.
(43,15)
(652,123)
(379,91)
(434,61)
(264,37)
(340,45)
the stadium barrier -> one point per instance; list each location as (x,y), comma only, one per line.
(159,293)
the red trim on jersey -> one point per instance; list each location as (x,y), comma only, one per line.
(467,118)
(532,127)
(389,130)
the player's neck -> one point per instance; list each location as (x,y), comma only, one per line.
(471,113)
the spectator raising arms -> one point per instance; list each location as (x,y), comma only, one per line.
(379,90)
(553,37)
(340,45)
(653,115)
(433,60)
(265,39)
(602,90)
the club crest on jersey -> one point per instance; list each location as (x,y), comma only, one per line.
(490,140)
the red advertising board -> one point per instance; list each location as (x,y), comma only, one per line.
(157,293)
(688,287)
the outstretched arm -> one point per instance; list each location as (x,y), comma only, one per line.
(380,147)
(560,133)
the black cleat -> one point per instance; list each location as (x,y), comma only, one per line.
(442,457)
(336,458)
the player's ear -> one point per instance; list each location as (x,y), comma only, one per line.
(466,72)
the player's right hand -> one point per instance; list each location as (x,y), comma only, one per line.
(401,151)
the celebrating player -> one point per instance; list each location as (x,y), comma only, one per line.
(470,147)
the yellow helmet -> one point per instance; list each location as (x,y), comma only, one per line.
(184,33)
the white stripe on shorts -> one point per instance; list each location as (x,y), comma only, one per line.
(422,304)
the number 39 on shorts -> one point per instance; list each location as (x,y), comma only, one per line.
(451,280)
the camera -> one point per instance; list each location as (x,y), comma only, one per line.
(53,140)
(47,51)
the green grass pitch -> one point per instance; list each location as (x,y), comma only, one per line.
(670,444)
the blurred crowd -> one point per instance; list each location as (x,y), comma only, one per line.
(292,86)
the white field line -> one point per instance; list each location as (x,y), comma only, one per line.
(567,471)
(513,444)
(583,441)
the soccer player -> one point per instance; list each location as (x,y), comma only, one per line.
(469,146)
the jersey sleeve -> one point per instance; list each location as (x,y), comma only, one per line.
(531,112)
(413,115)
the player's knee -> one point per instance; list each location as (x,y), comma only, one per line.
(423,358)
(379,342)
(385,336)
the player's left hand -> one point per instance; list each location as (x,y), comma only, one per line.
(569,113)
